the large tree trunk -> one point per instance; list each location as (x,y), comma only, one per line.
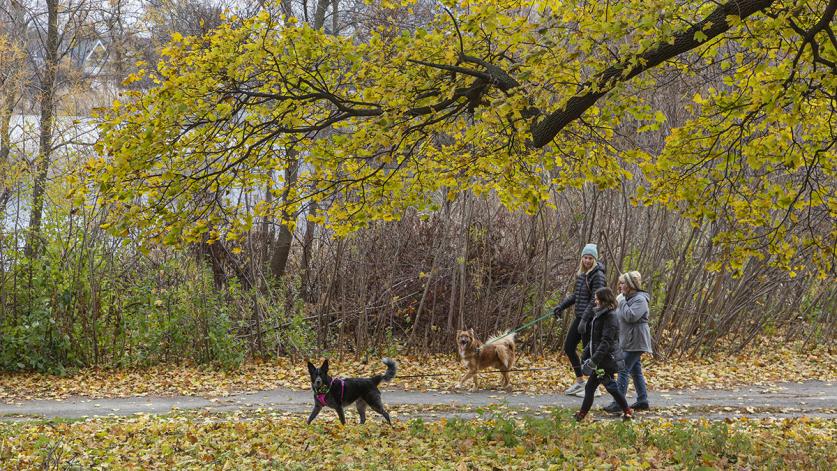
(279,260)
(47,104)
(319,14)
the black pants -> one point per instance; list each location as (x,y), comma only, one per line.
(571,345)
(593,382)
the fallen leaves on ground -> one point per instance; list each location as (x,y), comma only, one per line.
(551,373)
(262,440)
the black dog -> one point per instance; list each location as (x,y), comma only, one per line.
(338,392)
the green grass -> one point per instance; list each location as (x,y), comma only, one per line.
(262,440)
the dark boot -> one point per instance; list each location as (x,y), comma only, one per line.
(580,415)
(640,406)
(613,408)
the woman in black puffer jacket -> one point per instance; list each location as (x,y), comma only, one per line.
(600,355)
(590,278)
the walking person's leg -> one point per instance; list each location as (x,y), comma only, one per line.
(585,339)
(630,359)
(587,403)
(640,386)
(613,389)
(571,350)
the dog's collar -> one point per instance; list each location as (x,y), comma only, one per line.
(464,353)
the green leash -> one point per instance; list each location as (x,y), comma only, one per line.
(523,327)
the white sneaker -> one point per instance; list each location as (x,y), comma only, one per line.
(574,389)
(580,393)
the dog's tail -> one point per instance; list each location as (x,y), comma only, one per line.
(391,367)
(506,338)
(505,354)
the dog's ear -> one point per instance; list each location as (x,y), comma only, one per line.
(471,331)
(312,370)
(324,368)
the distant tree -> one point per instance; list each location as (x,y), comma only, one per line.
(46,32)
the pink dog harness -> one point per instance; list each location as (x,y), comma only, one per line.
(321,397)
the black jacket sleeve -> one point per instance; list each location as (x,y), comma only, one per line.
(609,340)
(596,282)
(569,301)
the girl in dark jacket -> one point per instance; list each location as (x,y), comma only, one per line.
(634,337)
(590,277)
(600,363)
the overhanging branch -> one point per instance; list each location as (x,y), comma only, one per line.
(713,25)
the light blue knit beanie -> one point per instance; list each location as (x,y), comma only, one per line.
(590,249)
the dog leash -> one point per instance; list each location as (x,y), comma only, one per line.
(482,371)
(523,327)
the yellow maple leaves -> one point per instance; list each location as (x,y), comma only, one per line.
(376,125)
(270,440)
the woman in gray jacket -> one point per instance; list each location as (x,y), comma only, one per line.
(634,337)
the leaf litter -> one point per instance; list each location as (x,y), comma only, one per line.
(761,366)
(492,440)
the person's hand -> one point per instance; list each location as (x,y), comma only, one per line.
(582,327)
(557,312)
(588,367)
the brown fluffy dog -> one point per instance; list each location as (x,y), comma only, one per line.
(498,352)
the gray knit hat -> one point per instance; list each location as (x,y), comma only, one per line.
(590,249)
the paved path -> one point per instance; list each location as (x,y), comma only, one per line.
(787,399)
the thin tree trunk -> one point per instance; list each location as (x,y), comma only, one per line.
(463,267)
(308,291)
(335,19)
(47,103)
(6,110)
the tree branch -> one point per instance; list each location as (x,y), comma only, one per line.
(808,38)
(453,68)
(716,23)
(497,76)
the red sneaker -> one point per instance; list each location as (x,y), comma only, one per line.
(580,415)
(628,414)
